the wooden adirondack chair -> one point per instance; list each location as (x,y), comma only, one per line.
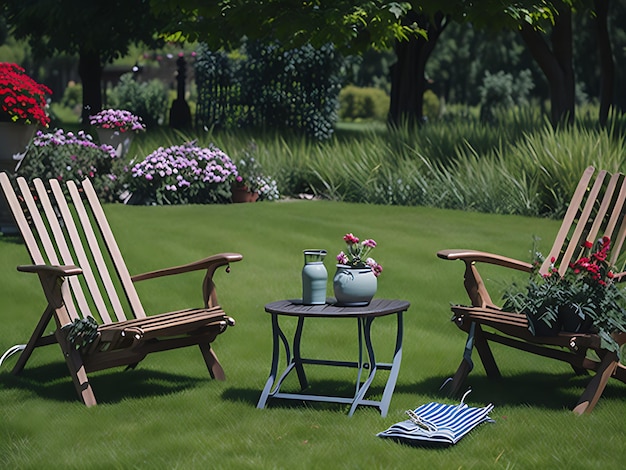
(81,271)
(597,209)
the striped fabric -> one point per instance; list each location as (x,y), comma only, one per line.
(438,424)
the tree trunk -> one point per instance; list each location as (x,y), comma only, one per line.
(607,66)
(408,80)
(556,64)
(90,71)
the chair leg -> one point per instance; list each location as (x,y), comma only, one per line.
(486,356)
(212,362)
(77,370)
(32,342)
(466,366)
(593,392)
(457,381)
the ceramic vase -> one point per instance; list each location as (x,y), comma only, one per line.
(314,278)
(354,287)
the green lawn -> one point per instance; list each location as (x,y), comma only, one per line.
(169,414)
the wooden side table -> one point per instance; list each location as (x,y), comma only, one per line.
(365,316)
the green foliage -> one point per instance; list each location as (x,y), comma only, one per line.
(501,91)
(72,95)
(363,103)
(270,86)
(148,100)
(518,165)
(431,106)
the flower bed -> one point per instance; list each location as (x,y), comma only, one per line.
(183,174)
(68,156)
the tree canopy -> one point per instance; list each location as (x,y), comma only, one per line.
(98,31)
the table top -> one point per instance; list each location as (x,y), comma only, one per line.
(376,308)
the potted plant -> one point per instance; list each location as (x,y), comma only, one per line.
(585,299)
(117,127)
(71,156)
(355,281)
(22,99)
(250,183)
(22,108)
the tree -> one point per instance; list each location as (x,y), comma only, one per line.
(408,78)
(556,55)
(352,26)
(98,31)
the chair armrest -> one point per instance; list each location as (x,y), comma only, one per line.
(210,263)
(473,256)
(45,269)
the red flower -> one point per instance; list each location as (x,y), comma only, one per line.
(22,99)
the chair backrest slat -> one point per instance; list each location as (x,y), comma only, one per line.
(568,219)
(596,210)
(91,238)
(58,249)
(618,217)
(580,225)
(20,219)
(81,255)
(113,249)
(65,225)
(41,240)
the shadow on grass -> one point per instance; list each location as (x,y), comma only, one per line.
(542,390)
(333,388)
(52,382)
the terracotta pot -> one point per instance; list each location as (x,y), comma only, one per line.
(243,194)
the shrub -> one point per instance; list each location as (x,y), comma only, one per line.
(183,174)
(502,91)
(67,156)
(147,100)
(268,86)
(363,103)
(431,108)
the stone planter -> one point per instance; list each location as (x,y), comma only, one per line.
(120,141)
(14,140)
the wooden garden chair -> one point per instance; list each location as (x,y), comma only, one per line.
(83,275)
(596,209)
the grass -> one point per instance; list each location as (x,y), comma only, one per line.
(168,413)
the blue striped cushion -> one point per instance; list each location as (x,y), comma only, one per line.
(436,423)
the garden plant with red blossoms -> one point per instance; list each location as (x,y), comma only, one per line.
(585,299)
(22,99)
(356,254)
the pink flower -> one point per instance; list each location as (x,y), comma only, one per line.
(342,258)
(369,243)
(350,238)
